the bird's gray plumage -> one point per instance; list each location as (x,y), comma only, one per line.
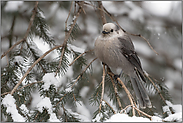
(115,48)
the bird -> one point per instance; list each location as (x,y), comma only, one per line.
(115,49)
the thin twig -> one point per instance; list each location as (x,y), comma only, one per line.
(67,37)
(27,32)
(103,81)
(30,68)
(80,56)
(83,72)
(61,99)
(109,106)
(128,93)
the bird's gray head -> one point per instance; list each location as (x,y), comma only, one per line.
(110,29)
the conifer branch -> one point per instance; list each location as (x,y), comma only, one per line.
(156,88)
(27,32)
(83,72)
(103,81)
(67,37)
(23,87)
(30,68)
(80,56)
(109,106)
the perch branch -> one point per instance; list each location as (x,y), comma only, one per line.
(103,81)
(116,92)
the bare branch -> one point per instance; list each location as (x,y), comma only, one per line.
(103,81)
(116,92)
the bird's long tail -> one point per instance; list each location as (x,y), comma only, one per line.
(141,94)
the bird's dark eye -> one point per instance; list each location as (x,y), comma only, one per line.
(111,30)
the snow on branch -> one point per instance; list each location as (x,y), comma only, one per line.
(9,103)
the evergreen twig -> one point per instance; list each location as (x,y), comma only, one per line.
(30,68)
(109,106)
(67,37)
(156,88)
(83,72)
(27,32)
(22,87)
(80,56)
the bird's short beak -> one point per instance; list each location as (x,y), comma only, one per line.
(105,32)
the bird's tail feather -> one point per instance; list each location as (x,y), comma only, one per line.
(141,94)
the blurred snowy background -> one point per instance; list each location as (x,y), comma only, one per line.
(160,22)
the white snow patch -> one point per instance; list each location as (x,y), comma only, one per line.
(156,119)
(125,118)
(9,103)
(173,117)
(24,109)
(13,6)
(46,103)
(97,118)
(49,79)
(176,108)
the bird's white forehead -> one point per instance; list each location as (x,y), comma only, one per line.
(109,26)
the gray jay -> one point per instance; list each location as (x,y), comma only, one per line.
(115,49)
